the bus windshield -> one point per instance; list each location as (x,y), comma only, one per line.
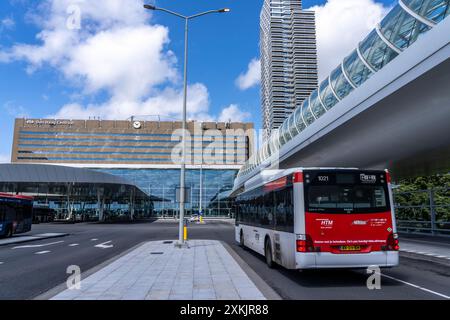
(346,193)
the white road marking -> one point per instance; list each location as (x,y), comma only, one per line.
(37,245)
(426,254)
(104,245)
(94,239)
(43,252)
(1,263)
(417,287)
(73,245)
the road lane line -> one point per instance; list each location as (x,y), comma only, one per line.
(73,245)
(417,287)
(43,252)
(1,263)
(94,239)
(38,245)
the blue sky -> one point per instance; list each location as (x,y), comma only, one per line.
(124,61)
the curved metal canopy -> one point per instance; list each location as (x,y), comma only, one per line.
(41,173)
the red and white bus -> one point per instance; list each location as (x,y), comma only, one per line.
(16,214)
(319,218)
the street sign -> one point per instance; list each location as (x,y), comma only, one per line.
(187,195)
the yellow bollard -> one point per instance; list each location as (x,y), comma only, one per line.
(201,219)
(185,233)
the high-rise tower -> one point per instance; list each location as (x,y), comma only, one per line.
(288,59)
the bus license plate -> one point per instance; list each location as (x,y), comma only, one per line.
(350,248)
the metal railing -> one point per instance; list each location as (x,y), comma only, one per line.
(423,211)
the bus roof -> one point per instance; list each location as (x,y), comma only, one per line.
(7,195)
(267,176)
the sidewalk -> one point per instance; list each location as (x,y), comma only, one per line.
(27,238)
(159,271)
(425,249)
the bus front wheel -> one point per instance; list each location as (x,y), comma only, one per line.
(268,254)
(9,232)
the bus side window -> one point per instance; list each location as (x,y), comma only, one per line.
(2,212)
(289,210)
(28,211)
(284,210)
(10,214)
(246,210)
(280,215)
(254,209)
(259,205)
(268,219)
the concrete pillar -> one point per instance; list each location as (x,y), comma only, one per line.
(132,205)
(101,206)
(69,206)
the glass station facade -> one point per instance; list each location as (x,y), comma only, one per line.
(144,153)
(402,26)
(163,184)
(76,194)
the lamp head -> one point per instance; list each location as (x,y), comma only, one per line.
(224,10)
(149,7)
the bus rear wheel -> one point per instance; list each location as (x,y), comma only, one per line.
(241,239)
(268,254)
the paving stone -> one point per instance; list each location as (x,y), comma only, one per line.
(204,271)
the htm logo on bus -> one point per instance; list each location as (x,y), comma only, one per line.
(326,222)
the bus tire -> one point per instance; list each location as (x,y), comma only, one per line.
(241,239)
(9,232)
(268,254)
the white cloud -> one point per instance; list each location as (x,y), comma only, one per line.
(127,61)
(252,77)
(166,103)
(117,52)
(5,158)
(341,24)
(13,110)
(7,23)
(234,114)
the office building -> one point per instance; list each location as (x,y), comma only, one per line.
(145,153)
(288,60)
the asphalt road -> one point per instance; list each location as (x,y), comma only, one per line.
(30,269)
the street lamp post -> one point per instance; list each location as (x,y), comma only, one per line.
(183,159)
(201,190)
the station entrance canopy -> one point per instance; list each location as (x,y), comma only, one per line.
(76,193)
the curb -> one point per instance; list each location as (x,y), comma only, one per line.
(62,287)
(265,289)
(36,238)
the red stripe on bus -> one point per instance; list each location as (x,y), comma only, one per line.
(298,177)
